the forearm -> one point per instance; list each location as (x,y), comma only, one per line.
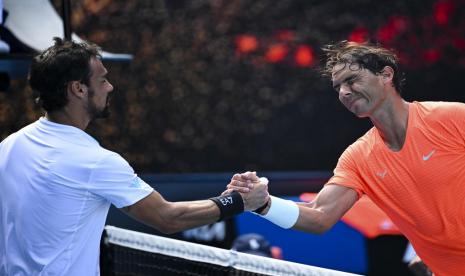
(169,217)
(190,214)
(312,220)
(299,216)
(318,216)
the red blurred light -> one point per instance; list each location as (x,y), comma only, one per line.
(285,35)
(459,43)
(432,55)
(276,53)
(442,12)
(386,33)
(304,56)
(246,43)
(359,35)
(400,23)
(394,26)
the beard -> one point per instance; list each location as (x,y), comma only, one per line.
(98,112)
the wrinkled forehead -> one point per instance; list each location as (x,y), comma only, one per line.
(344,68)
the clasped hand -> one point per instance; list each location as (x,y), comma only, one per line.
(254,193)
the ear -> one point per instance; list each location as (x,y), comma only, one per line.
(387,74)
(77,89)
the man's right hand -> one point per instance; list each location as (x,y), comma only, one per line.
(254,193)
(243,182)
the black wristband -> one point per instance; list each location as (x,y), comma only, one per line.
(230,205)
(260,209)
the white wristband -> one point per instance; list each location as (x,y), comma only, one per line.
(283,213)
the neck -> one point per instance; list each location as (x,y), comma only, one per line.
(68,117)
(391,122)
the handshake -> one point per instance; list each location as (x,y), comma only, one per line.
(254,191)
(248,192)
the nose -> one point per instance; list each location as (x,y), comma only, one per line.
(110,87)
(344,90)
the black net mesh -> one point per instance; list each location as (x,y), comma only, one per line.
(126,252)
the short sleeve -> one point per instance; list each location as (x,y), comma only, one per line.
(114,179)
(444,121)
(346,172)
(457,120)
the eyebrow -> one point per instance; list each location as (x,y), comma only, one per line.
(104,74)
(349,77)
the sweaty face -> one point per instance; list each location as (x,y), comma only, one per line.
(359,90)
(98,91)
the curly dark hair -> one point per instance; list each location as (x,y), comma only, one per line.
(365,56)
(54,68)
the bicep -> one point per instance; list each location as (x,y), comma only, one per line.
(331,203)
(149,210)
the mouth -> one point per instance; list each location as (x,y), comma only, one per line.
(350,103)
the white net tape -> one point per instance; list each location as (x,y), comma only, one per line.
(213,255)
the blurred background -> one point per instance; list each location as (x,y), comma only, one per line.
(227,86)
(216,87)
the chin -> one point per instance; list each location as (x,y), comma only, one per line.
(361,115)
(102,114)
(361,111)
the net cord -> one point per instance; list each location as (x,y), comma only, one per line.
(213,255)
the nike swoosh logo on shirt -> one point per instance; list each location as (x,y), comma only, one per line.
(382,174)
(428,156)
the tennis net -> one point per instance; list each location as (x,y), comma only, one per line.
(126,252)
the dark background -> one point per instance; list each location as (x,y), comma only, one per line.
(235,85)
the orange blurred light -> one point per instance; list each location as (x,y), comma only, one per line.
(304,56)
(246,43)
(276,53)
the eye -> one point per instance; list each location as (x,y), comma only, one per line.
(351,81)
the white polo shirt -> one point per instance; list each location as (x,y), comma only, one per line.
(56,186)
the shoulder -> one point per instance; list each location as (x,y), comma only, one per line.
(363,145)
(111,159)
(441,120)
(440,109)
(349,168)
(19,133)
(440,117)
